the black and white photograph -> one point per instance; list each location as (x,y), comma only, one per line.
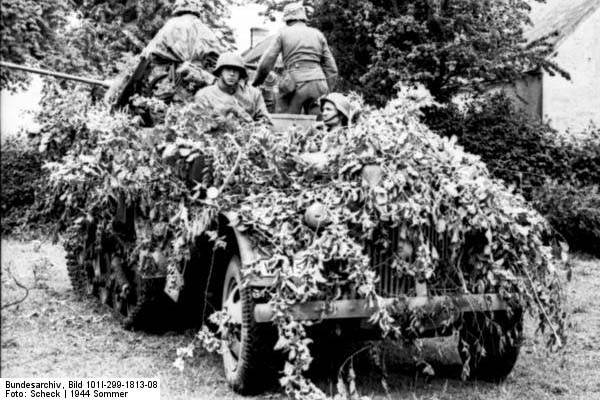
(305,200)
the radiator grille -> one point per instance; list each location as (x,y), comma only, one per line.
(393,283)
(441,243)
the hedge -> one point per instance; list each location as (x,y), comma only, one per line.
(559,174)
(21,178)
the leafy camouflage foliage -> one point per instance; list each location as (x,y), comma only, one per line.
(559,174)
(261,176)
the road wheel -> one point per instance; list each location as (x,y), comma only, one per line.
(490,346)
(131,306)
(249,345)
(91,286)
(123,302)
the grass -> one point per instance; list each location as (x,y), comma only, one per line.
(54,334)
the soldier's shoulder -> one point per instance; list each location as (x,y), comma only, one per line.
(177,22)
(313,30)
(299,27)
(250,90)
(206,91)
(299,31)
(282,31)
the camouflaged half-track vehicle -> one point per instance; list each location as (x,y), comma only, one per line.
(98,267)
(101,271)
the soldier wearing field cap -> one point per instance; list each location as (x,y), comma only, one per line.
(231,93)
(310,69)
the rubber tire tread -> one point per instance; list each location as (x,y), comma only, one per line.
(496,364)
(139,316)
(255,371)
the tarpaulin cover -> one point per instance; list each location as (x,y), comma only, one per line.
(182,38)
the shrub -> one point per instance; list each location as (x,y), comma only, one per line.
(530,154)
(21,176)
(573,211)
(584,152)
(516,147)
(61,124)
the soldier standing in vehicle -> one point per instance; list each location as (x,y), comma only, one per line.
(231,93)
(322,142)
(335,111)
(310,69)
(173,65)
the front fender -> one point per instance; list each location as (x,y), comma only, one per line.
(248,254)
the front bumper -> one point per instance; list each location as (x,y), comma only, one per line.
(362,308)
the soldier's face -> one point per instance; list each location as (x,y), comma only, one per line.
(230,76)
(330,114)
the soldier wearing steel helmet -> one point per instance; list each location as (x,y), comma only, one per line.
(322,142)
(310,69)
(335,111)
(180,50)
(231,93)
(174,64)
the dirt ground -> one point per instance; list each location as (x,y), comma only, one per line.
(51,333)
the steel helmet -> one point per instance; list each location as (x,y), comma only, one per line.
(294,12)
(187,7)
(340,102)
(231,60)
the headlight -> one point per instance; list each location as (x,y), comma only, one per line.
(316,216)
(372,174)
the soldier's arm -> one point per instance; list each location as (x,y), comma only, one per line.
(328,65)
(190,72)
(267,61)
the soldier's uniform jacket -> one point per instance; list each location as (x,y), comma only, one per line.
(246,97)
(305,53)
(184,38)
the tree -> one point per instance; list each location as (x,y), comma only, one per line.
(29,30)
(112,31)
(88,37)
(448,45)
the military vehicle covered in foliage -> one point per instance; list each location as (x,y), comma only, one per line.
(266,236)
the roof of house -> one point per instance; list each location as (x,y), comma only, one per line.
(558,19)
(253,54)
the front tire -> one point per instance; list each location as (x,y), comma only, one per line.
(500,336)
(249,344)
